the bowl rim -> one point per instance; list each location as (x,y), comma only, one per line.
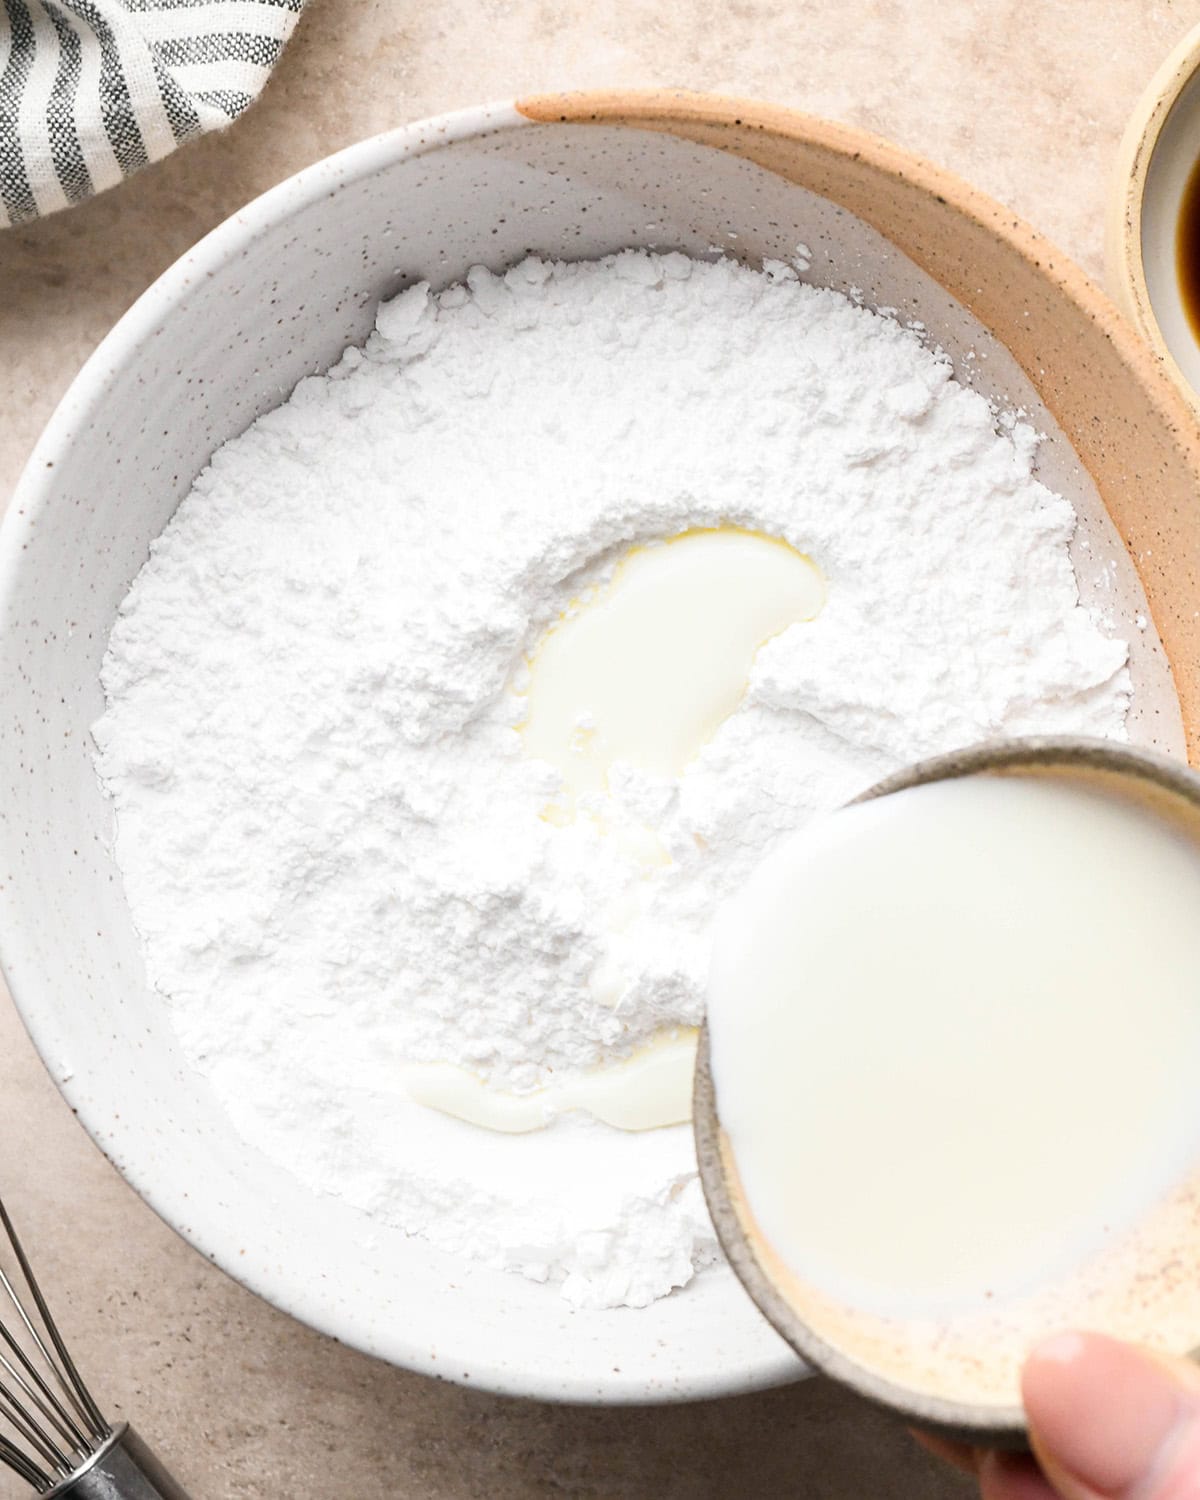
(648,110)
(1125,270)
(958,1421)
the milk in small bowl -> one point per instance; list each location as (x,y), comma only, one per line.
(946,1102)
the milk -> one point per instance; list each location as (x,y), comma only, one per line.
(647,1090)
(640,670)
(647,667)
(955,1036)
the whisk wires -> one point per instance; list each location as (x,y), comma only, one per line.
(49,1423)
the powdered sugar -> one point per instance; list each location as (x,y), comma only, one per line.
(329,835)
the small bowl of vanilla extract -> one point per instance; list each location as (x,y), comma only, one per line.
(1152,248)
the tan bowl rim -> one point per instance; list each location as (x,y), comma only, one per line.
(1000,1426)
(1124,267)
(1117,316)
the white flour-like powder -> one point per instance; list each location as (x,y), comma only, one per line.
(329,833)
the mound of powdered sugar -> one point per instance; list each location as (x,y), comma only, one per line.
(328,831)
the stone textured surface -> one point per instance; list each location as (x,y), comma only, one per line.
(1027,101)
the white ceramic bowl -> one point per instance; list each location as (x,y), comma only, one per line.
(275,294)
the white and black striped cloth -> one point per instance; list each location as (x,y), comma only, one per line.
(91,90)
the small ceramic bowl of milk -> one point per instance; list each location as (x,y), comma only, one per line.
(946,1099)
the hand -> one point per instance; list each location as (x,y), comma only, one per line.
(1107,1421)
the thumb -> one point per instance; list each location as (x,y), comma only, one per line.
(1110,1421)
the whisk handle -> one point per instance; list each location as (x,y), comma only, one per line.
(122,1468)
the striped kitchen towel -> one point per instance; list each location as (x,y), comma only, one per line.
(91,90)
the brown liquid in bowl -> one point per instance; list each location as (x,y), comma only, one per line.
(1187,250)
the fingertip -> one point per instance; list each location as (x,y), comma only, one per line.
(1055,1367)
(1060,1349)
(1100,1411)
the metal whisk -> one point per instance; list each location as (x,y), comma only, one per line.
(52,1433)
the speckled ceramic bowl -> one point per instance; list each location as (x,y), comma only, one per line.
(960,1376)
(276,293)
(1158,151)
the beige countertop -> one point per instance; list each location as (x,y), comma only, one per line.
(1028,101)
